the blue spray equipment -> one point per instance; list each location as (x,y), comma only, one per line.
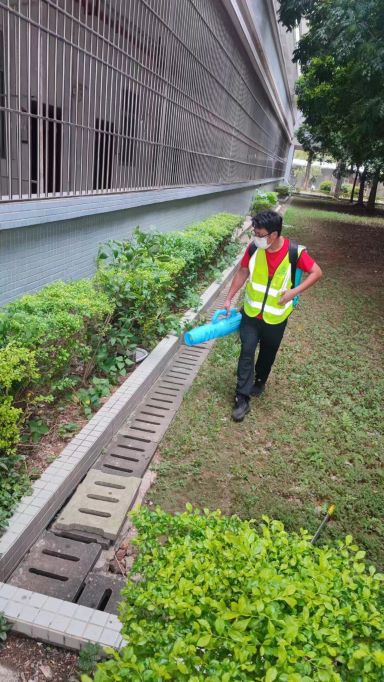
(216,328)
(298,278)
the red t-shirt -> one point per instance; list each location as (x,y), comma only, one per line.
(305,262)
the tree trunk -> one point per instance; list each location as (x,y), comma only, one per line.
(308,171)
(372,194)
(360,201)
(339,180)
(354,184)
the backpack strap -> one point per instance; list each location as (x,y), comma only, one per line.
(293,251)
(251,249)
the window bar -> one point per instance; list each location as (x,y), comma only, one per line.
(120,81)
(99,90)
(78,90)
(91,88)
(7,102)
(83,31)
(28,116)
(124,92)
(19,108)
(64,150)
(71,159)
(55,107)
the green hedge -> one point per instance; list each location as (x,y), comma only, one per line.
(148,278)
(217,599)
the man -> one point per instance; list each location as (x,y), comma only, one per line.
(267,303)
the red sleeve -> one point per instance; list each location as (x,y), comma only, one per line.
(305,262)
(246,258)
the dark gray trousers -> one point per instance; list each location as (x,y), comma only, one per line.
(252,332)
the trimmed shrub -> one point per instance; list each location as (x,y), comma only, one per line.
(217,599)
(263,201)
(61,324)
(149,277)
(325,186)
(346,189)
(17,370)
(283,191)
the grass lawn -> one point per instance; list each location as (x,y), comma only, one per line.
(316,436)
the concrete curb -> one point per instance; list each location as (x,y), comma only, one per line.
(58,481)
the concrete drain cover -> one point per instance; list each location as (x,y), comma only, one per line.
(127,457)
(99,505)
(102,592)
(56,566)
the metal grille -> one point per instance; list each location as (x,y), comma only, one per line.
(100,97)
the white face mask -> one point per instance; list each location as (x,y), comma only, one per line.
(261,242)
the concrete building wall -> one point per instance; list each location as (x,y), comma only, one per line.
(33,256)
(219,123)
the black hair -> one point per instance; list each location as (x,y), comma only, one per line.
(269,220)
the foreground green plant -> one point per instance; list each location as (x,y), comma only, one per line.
(4,628)
(218,599)
(88,658)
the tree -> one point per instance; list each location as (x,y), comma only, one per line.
(340,90)
(310,146)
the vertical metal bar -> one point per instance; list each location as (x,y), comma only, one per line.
(71,154)
(137,91)
(29,99)
(55,124)
(20,116)
(46,119)
(113,112)
(64,188)
(93,90)
(40,175)
(7,115)
(100,95)
(83,89)
(104,176)
(76,159)
(124,26)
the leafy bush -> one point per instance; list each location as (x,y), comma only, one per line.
(263,201)
(149,277)
(60,324)
(14,483)
(346,189)
(217,599)
(17,370)
(283,191)
(4,628)
(325,186)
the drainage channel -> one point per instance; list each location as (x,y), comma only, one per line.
(66,561)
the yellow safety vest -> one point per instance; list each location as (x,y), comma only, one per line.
(262,293)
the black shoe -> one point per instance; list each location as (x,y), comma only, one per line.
(241,408)
(258,388)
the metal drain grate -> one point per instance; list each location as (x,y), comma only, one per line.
(56,566)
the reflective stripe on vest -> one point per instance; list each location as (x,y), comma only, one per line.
(261,295)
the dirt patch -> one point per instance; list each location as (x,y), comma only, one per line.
(37,662)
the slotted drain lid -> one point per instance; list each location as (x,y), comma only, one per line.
(56,566)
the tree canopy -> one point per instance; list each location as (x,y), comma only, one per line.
(340,89)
